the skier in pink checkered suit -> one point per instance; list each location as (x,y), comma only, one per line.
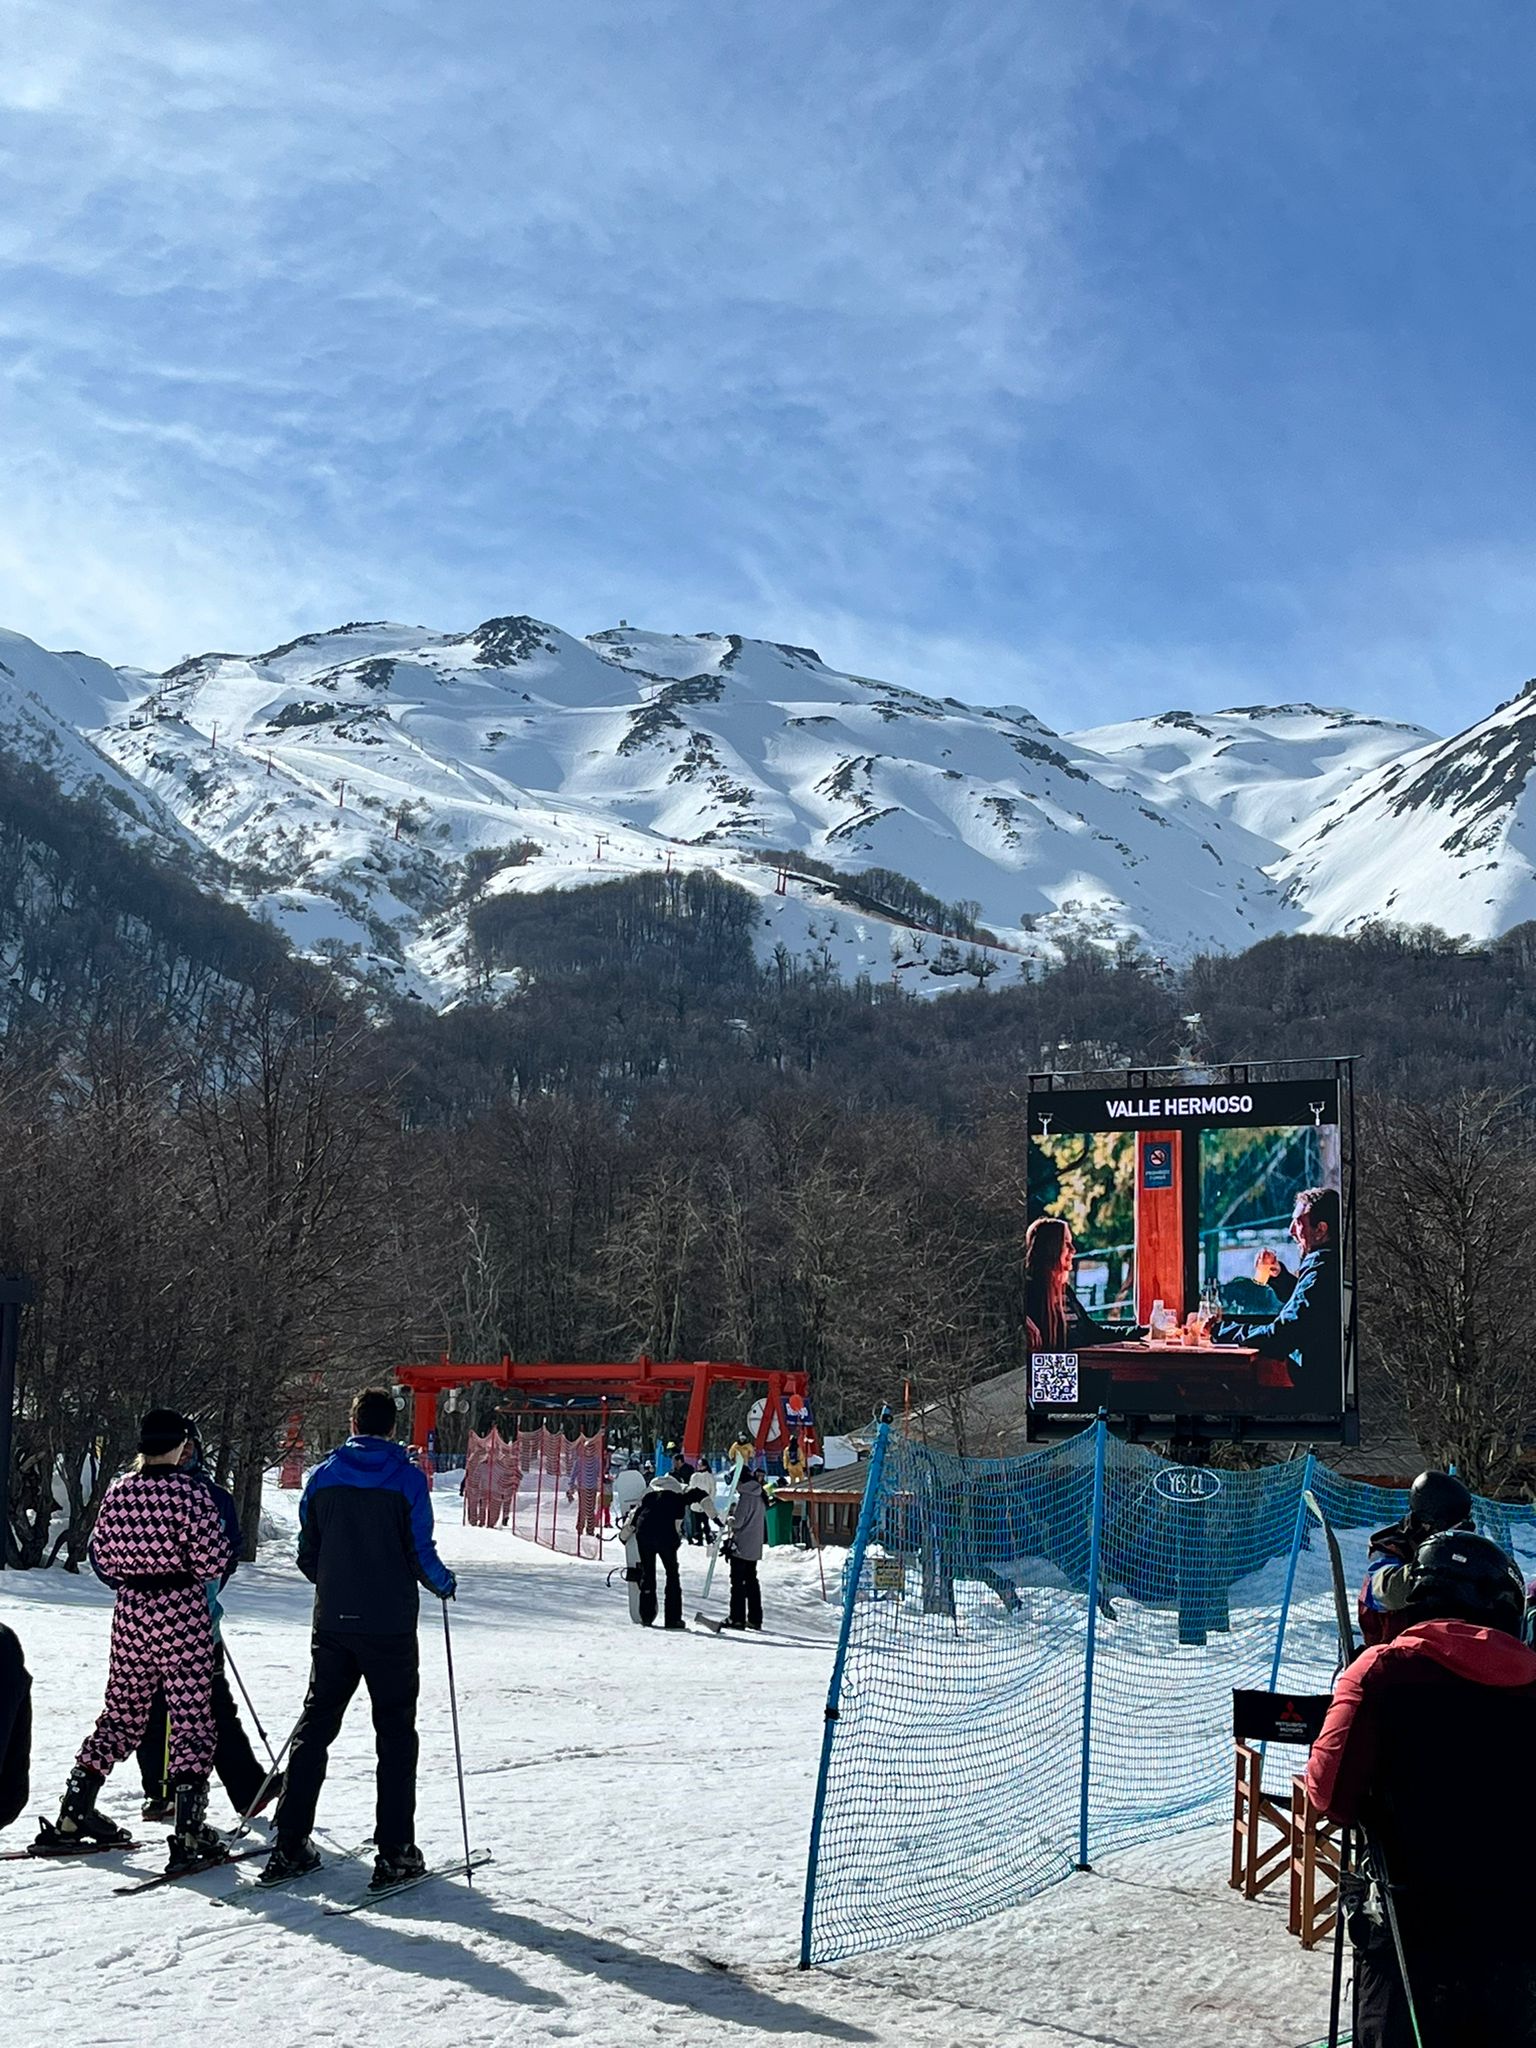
(159,1539)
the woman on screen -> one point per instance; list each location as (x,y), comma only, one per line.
(1058,1320)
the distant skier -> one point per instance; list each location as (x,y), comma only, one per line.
(744,1449)
(365,1540)
(1428,1745)
(1436,1501)
(657,1528)
(159,1537)
(744,1535)
(250,1788)
(585,1486)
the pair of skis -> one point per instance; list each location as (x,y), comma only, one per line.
(1348,1650)
(76,1853)
(373,1896)
(86,1850)
(249,1888)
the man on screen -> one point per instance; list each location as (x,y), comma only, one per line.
(1308,1329)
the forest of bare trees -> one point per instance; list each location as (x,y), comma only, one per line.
(242,1189)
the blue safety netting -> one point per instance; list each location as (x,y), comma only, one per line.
(991,1726)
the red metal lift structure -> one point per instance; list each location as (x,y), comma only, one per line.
(639,1383)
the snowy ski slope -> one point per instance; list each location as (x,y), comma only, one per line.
(646,1798)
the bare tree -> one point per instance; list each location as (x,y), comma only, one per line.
(649,1261)
(1448,1275)
(285,1144)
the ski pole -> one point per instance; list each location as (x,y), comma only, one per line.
(1383,1878)
(250,1708)
(1336,1988)
(262,1789)
(458,1753)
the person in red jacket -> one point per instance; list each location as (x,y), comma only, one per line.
(1427,1747)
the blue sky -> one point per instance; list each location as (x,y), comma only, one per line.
(1104,356)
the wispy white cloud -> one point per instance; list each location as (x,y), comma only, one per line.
(578,291)
(1001,349)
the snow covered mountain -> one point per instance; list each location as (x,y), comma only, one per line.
(49,705)
(1268,768)
(348,778)
(363,787)
(1444,835)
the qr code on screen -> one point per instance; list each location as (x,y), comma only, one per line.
(1053,1378)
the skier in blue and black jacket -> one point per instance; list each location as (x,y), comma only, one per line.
(365,1540)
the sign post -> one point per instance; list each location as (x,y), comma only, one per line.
(15,1292)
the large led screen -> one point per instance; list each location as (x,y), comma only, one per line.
(1183,1256)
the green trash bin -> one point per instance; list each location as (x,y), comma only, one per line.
(781,1522)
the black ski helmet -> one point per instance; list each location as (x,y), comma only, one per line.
(1458,1576)
(1438,1500)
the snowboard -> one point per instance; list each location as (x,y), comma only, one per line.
(632,1576)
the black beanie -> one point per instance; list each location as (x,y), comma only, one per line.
(161,1430)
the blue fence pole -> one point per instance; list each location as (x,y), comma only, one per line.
(867,1512)
(1290,1570)
(1095,1545)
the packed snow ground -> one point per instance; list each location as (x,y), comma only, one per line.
(646,1798)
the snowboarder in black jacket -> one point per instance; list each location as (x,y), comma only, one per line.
(365,1539)
(657,1529)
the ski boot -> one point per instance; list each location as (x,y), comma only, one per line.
(289,1860)
(193,1841)
(78,1819)
(397,1866)
(158,1807)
